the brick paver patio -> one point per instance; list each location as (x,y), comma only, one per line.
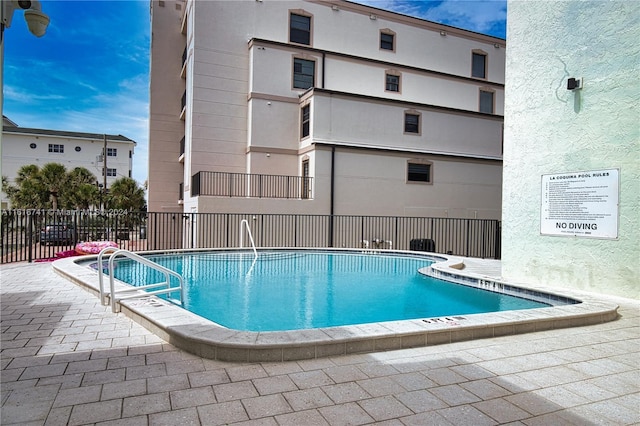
(67,360)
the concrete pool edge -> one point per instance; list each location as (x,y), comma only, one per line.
(209,340)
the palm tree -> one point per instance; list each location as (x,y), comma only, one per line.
(81,191)
(53,177)
(28,192)
(125,194)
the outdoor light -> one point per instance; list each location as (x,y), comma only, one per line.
(37,21)
(574,83)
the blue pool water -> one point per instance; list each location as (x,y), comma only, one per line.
(300,290)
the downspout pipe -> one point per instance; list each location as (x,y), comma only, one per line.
(324,58)
(332,194)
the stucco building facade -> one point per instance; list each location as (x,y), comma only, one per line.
(587,135)
(322,107)
(23,146)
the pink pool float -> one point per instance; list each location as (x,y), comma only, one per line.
(94,247)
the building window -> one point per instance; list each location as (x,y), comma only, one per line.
(303,73)
(479,64)
(486,101)
(392,82)
(412,122)
(54,147)
(110,172)
(300,29)
(418,172)
(387,40)
(305,120)
(112,152)
(306,180)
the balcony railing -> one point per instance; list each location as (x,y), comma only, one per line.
(223,184)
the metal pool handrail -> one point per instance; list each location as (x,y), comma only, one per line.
(100,272)
(253,245)
(166,272)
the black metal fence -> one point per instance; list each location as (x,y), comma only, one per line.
(31,235)
(250,185)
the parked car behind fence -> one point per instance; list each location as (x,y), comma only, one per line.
(58,233)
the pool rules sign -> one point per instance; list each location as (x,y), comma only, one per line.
(580,204)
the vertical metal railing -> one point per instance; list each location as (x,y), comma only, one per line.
(137,231)
(223,184)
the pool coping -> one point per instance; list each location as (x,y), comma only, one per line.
(207,339)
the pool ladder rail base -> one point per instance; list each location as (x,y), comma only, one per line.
(244,224)
(163,287)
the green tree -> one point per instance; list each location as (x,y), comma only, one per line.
(27,193)
(53,177)
(81,190)
(51,187)
(125,194)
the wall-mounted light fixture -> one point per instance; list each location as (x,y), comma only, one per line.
(335,8)
(37,21)
(496,45)
(574,83)
(373,17)
(443,33)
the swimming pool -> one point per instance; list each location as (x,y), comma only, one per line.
(293,290)
(207,339)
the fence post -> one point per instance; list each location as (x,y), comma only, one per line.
(30,238)
(498,240)
(468,228)
(331,220)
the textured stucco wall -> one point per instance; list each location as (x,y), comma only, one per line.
(549,129)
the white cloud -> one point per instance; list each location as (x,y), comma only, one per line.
(21,95)
(478,16)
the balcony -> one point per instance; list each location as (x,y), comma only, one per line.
(221,184)
(183,72)
(183,105)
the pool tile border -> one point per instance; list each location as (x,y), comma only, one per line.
(210,340)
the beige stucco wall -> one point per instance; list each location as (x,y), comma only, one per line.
(549,129)
(243,115)
(165,127)
(380,124)
(462,188)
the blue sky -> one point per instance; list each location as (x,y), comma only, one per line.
(90,71)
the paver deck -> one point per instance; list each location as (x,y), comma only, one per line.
(67,360)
